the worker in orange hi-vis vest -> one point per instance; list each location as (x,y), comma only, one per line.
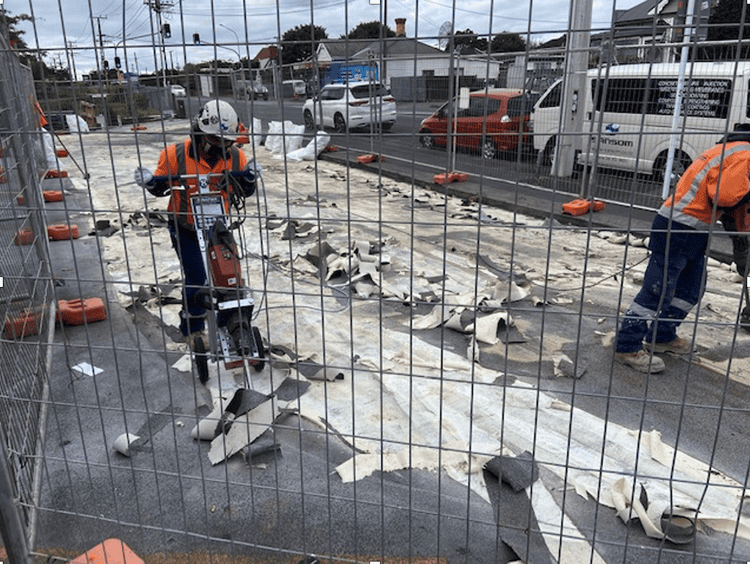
(716,187)
(210,149)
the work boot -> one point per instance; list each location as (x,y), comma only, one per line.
(675,346)
(641,360)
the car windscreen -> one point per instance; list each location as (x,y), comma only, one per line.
(364,90)
(480,106)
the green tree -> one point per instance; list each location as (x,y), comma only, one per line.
(299,43)
(369,30)
(506,42)
(467,39)
(29,57)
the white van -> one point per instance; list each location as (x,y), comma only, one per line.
(294,88)
(628,114)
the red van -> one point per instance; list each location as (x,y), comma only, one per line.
(494,123)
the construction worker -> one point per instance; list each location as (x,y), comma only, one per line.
(209,150)
(716,186)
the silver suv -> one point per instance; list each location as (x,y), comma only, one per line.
(350,106)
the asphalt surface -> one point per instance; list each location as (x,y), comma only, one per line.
(167,502)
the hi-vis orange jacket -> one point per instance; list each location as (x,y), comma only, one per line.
(718,176)
(177,160)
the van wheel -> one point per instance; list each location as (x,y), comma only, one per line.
(489,149)
(679,166)
(546,154)
(339,125)
(426,139)
(309,122)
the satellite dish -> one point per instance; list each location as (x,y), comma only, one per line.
(444,35)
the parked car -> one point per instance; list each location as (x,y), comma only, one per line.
(350,106)
(494,123)
(177,90)
(256,90)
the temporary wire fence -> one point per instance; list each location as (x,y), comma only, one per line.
(434,298)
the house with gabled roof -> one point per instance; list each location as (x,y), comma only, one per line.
(652,31)
(398,59)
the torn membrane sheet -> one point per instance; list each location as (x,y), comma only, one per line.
(438,400)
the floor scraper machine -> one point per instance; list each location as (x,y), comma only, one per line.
(229,304)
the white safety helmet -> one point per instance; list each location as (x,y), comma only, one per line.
(218,118)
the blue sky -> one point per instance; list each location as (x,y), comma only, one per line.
(235,28)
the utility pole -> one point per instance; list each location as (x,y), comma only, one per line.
(158,6)
(573,101)
(101,45)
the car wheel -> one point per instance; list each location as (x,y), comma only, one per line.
(426,139)
(309,122)
(339,125)
(489,149)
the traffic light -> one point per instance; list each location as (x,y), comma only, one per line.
(196,39)
(166,31)
(117,62)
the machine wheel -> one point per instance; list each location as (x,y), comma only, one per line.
(309,121)
(258,341)
(426,139)
(339,125)
(201,358)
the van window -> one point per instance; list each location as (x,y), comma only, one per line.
(521,105)
(703,97)
(553,97)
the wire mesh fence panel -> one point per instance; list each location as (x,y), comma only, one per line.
(412,294)
(25,293)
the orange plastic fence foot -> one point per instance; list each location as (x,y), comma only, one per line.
(62,232)
(24,236)
(138,128)
(22,325)
(52,195)
(62,153)
(581,206)
(80,311)
(362,159)
(446,178)
(56,174)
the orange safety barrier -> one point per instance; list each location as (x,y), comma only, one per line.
(62,232)
(24,236)
(22,325)
(111,551)
(52,195)
(451,177)
(80,311)
(56,174)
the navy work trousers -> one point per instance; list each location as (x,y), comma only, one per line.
(672,285)
(185,242)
